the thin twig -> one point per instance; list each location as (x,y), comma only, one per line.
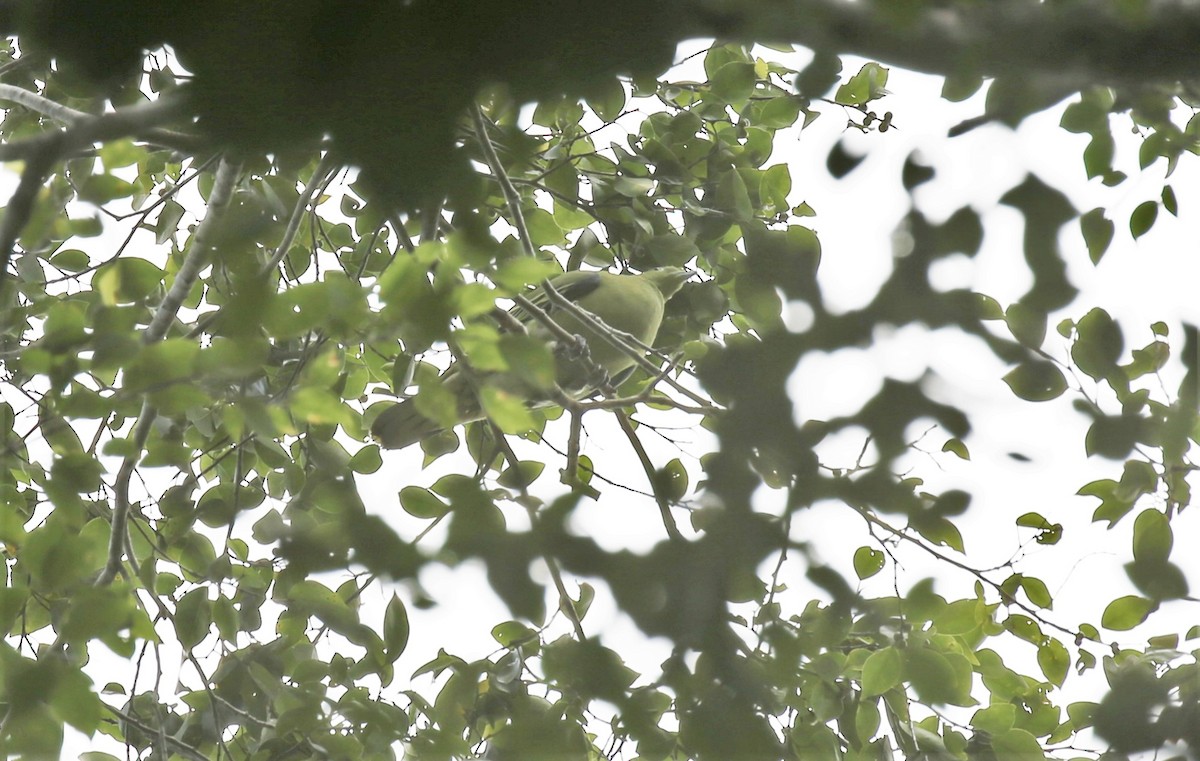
(873,519)
(664,507)
(571,471)
(431,222)
(511,197)
(565,603)
(323,169)
(179,745)
(401,233)
(564,599)
(198,253)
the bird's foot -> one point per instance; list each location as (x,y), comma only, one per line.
(574,350)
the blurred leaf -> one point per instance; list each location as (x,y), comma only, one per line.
(1097,233)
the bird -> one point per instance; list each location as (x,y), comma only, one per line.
(632,304)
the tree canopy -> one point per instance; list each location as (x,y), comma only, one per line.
(241,230)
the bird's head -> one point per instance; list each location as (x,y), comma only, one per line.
(668,280)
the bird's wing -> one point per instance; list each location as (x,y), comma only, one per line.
(573,286)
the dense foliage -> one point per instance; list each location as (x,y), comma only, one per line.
(223,254)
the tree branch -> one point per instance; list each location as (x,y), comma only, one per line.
(664,508)
(1071,44)
(511,198)
(197,258)
(43,106)
(323,169)
(42,152)
(198,254)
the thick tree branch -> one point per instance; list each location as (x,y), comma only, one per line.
(43,106)
(198,254)
(1069,44)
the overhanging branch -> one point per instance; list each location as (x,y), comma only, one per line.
(1084,43)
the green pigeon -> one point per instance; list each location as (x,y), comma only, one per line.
(633,304)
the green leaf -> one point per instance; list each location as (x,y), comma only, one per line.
(734,82)
(438,403)
(779,112)
(543,230)
(957,447)
(1159,580)
(316,406)
(102,188)
(775,186)
(1152,537)
(419,502)
(395,628)
(507,410)
(939,530)
(1169,201)
(311,598)
(513,633)
(938,677)
(193,617)
(958,87)
(995,718)
(1097,233)
(868,561)
(367,460)
(1017,745)
(1080,714)
(225,616)
(634,187)
(607,99)
(1027,324)
(521,477)
(1098,344)
(732,196)
(671,250)
(1054,661)
(1142,218)
(1037,592)
(1098,155)
(881,671)
(671,481)
(1033,520)
(168,221)
(70,260)
(867,85)
(1124,613)
(1036,381)
(127,280)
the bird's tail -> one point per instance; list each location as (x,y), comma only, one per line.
(399,426)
